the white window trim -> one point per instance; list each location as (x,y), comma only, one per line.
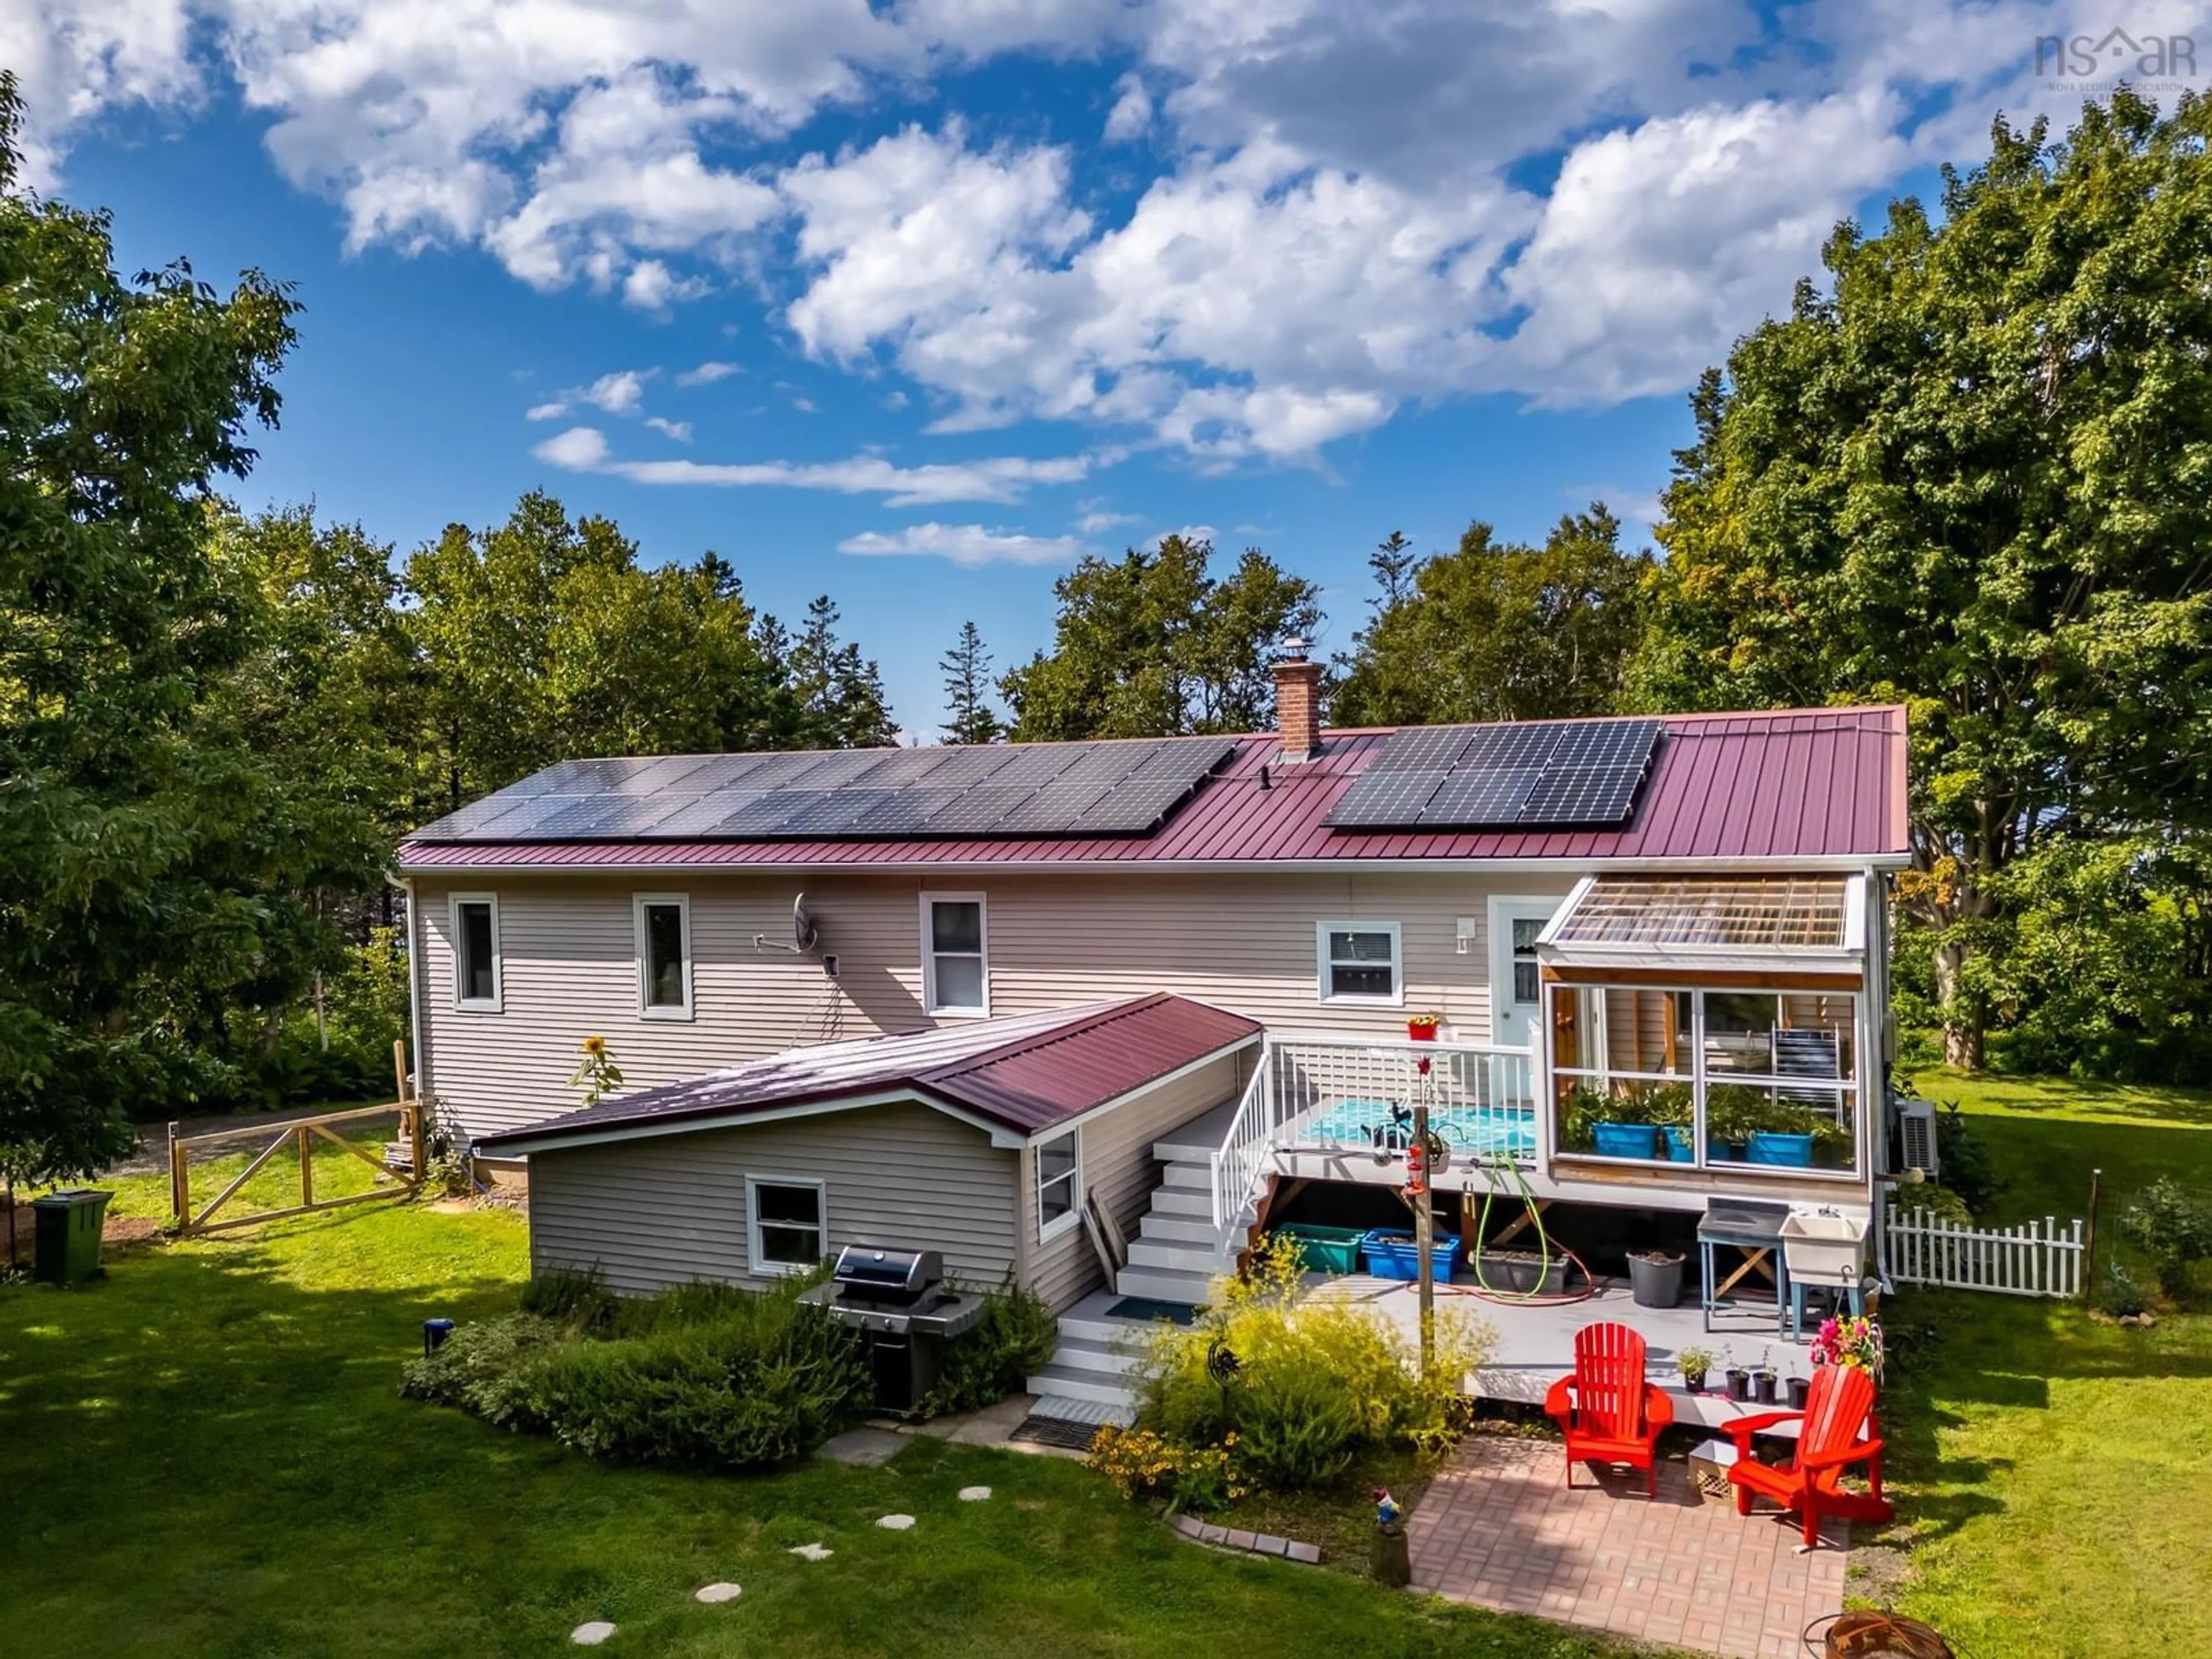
(1048,1231)
(645,1009)
(1322,994)
(929,1002)
(756,1262)
(498,999)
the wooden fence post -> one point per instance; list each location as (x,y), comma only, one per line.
(306,1167)
(180,1183)
(2089,1246)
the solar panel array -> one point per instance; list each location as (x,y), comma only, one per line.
(1043,789)
(1471,777)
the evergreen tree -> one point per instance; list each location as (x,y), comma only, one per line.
(967,671)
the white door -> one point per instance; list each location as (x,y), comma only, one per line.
(1515,989)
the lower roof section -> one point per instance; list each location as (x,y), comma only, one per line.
(1015,1077)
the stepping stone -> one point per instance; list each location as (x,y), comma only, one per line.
(591,1634)
(863,1448)
(812,1552)
(714,1593)
(973,1494)
(894,1522)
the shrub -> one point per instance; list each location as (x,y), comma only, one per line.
(575,1296)
(1968,1169)
(2118,1294)
(2173,1228)
(1304,1386)
(487,1368)
(1015,1335)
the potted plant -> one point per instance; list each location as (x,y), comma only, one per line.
(1671,1108)
(1732,1112)
(1763,1380)
(1422,1028)
(1695,1364)
(1739,1378)
(1796,1388)
(1620,1127)
(1856,1340)
(1655,1278)
(1579,1110)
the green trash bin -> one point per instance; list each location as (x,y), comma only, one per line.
(65,1236)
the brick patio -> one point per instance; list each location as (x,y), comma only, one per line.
(1498,1529)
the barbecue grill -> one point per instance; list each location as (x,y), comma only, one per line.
(899,1301)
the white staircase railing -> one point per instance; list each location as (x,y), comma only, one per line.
(1335,1092)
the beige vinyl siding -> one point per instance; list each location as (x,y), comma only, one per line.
(1119,1167)
(666,1210)
(1245,941)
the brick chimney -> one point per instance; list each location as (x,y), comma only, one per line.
(1297,701)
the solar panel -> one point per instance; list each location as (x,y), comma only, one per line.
(900,812)
(1388,800)
(974,811)
(1054,807)
(1491,796)
(1582,795)
(1548,772)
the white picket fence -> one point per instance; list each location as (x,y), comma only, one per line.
(2038,1258)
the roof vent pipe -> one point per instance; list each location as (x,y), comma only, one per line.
(1297,701)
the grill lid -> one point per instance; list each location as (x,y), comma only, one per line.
(881,1274)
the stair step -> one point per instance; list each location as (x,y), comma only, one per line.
(1186,1177)
(1178,1230)
(1130,1334)
(1201,1259)
(1161,1285)
(1066,1383)
(1181,1200)
(1081,1411)
(1085,1353)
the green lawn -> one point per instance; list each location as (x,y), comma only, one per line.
(2054,1466)
(206,1455)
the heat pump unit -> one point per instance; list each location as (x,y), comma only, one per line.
(1915,1129)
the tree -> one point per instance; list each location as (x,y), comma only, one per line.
(1498,631)
(1392,562)
(967,671)
(840,693)
(1153,645)
(151,860)
(1971,477)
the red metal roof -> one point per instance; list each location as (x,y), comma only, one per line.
(1768,786)
(1026,1072)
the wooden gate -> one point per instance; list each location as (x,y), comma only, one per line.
(186,1221)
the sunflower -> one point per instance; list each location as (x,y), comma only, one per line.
(596,1047)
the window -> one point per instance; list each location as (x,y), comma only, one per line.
(475,919)
(663,956)
(1525,977)
(1359,961)
(787,1225)
(954,980)
(1060,1183)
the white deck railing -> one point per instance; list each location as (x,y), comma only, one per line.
(1333,1093)
(2038,1258)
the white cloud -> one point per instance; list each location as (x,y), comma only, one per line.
(679,430)
(552,411)
(620,392)
(708,373)
(1093,519)
(1132,114)
(1356,208)
(1000,478)
(970,544)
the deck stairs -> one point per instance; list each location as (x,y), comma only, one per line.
(1175,1257)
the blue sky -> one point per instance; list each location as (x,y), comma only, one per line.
(912,304)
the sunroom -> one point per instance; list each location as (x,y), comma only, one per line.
(1699,1028)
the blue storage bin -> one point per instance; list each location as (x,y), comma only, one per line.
(1389,1253)
(1770,1147)
(1679,1147)
(1625,1140)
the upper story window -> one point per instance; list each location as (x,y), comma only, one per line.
(955,979)
(1360,962)
(663,956)
(476,979)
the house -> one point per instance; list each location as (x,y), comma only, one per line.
(1656,948)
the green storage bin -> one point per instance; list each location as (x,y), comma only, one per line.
(65,1236)
(1326,1249)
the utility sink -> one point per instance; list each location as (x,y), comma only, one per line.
(1824,1246)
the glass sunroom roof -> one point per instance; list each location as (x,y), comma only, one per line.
(1749,913)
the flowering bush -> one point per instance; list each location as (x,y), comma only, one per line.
(1853,1341)
(1143,1463)
(1307,1385)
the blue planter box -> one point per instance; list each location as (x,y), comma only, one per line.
(1679,1147)
(1769,1147)
(1389,1253)
(1625,1139)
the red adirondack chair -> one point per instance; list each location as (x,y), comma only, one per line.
(1837,1405)
(1608,1412)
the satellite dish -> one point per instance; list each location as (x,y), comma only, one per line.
(802,925)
